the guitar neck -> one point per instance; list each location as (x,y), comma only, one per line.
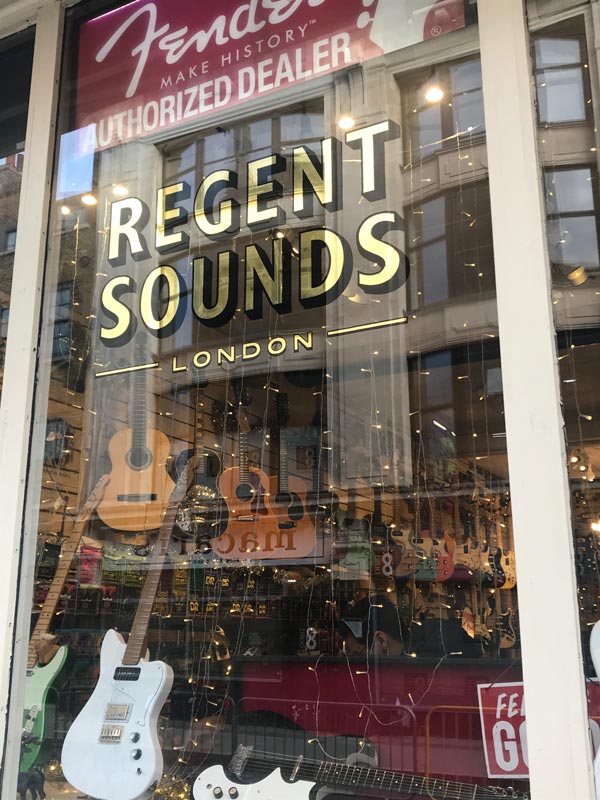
(66,556)
(377,507)
(200,457)
(136,642)
(341,774)
(139,421)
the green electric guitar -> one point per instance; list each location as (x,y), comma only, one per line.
(40,678)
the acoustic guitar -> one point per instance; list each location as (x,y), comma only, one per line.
(203,513)
(287,493)
(137,496)
(252,529)
(353,542)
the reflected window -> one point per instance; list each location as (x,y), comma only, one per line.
(561,78)
(444,108)
(572,223)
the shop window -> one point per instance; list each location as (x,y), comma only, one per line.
(570,174)
(273,450)
(16,55)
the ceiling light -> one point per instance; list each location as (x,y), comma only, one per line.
(346,122)
(64,210)
(88,200)
(119,190)
(434,94)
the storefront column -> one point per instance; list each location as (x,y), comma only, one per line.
(20,364)
(560,760)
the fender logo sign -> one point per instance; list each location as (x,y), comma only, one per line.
(152,66)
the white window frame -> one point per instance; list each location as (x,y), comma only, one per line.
(558,731)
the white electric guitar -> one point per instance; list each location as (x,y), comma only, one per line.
(111,751)
(304,775)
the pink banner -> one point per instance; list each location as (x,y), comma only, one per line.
(151,66)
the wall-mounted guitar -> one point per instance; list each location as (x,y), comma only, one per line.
(304,775)
(111,751)
(202,515)
(353,545)
(251,524)
(406,560)
(41,678)
(287,493)
(138,493)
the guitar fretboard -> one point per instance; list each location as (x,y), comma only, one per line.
(136,641)
(139,420)
(200,457)
(66,556)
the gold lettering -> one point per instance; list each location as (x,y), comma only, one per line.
(330,241)
(202,359)
(258,188)
(146,311)
(299,340)
(246,354)
(115,307)
(226,355)
(164,240)
(228,216)
(178,368)
(279,349)
(306,171)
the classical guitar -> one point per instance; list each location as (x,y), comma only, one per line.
(203,513)
(111,751)
(42,677)
(138,493)
(252,528)
(303,775)
(287,493)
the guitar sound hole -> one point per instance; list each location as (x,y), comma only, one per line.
(245,492)
(139,458)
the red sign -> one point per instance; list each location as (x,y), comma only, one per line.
(152,66)
(502,712)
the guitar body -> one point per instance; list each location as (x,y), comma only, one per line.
(253,529)
(38,683)
(117,756)
(406,560)
(137,495)
(355,556)
(290,511)
(273,787)
(510,570)
(427,567)
(443,550)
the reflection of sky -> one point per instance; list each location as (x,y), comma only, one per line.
(75,168)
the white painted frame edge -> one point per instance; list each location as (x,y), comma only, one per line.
(557,718)
(21,355)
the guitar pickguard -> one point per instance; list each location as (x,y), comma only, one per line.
(273,787)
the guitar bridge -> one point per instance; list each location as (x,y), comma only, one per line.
(111,734)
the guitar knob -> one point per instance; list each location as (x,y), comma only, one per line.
(136,754)
(217,791)
(134,737)
(233,792)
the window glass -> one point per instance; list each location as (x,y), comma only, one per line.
(274,502)
(16,57)
(570,172)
